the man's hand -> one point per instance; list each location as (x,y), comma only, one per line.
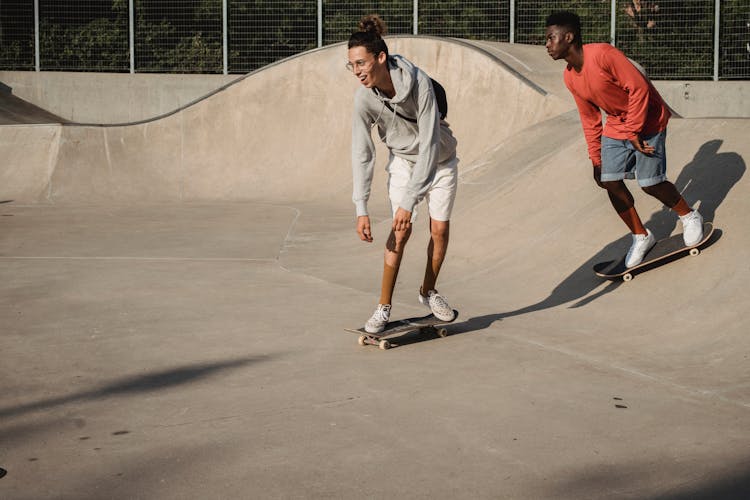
(642,146)
(402,220)
(363,228)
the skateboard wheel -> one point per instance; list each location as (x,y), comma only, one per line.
(694,252)
(361,340)
(442,332)
(384,344)
(627,277)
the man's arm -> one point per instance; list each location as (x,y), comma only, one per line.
(363,157)
(591,121)
(428,123)
(637,87)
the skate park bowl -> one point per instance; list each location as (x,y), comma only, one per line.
(175,292)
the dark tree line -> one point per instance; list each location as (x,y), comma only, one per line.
(670,38)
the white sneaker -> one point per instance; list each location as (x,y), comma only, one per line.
(437,303)
(642,243)
(692,228)
(379,319)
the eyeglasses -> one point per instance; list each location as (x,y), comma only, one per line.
(358,65)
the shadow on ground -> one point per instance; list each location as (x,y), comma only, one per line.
(136,384)
(705,181)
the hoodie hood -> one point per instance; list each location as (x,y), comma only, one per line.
(403,75)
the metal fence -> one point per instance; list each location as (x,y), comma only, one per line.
(672,39)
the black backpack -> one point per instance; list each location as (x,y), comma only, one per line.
(440,97)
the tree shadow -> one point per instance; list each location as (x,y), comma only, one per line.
(729,487)
(726,481)
(707,179)
(135,384)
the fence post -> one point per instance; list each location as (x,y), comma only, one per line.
(320,23)
(717,24)
(37,65)
(416,17)
(225,35)
(613,23)
(131,33)
(512,34)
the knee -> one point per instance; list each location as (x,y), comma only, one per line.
(612,186)
(654,190)
(439,230)
(608,185)
(397,241)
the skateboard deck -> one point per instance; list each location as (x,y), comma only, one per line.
(401,327)
(663,250)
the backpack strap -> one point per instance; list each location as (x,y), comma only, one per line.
(440,100)
(412,120)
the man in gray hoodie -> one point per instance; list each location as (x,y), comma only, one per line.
(399,99)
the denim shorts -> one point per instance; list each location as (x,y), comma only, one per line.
(620,160)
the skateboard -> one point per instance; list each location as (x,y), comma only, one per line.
(427,323)
(667,248)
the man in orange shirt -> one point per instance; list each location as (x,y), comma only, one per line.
(631,144)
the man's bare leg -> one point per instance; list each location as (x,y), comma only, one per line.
(436,251)
(394,252)
(667,193)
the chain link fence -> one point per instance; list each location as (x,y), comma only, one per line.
(85,35)
(182,36)
(682,30)
(734,49)
(483,20)
(532,14)
(340,18)
(672,39)
(17,35)
(264,32)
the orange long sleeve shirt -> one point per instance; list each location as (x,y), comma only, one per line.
(608,81)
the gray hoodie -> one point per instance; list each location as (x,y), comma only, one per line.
(424,144)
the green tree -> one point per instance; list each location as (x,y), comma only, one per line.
(669,39)
(183,38)
(479,20)
(341,18)
(734,56)
(262,32)
(531,16)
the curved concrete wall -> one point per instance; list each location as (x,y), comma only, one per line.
(281,133)
(110,97)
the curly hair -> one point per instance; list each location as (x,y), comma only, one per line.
(370,35)
(568,20)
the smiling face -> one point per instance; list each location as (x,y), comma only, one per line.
(558,41)
(367,68)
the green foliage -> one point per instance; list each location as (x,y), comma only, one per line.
(341,18)
(184,40)
(16,56)
(262,32)
(477,20)
(670,38)
(530,28)
(666,38)
(734,57)
(100,45)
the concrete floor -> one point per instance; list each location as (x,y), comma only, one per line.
(159,341)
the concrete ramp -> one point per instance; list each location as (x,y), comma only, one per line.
(281,133)
(16,111)
(174,294)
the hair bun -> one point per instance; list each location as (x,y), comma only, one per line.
(372,23)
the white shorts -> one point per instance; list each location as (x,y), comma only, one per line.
(440,196)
